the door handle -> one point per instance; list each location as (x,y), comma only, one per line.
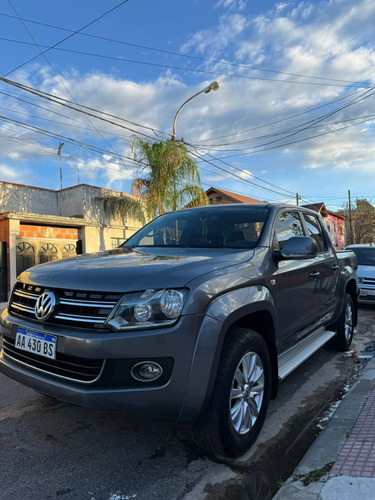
(334,268)
(315,274)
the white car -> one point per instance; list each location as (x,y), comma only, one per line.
(366,271)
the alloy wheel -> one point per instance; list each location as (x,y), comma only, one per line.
(247,393)
(348,322)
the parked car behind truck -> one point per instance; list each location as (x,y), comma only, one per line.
(366,272)
(195,319)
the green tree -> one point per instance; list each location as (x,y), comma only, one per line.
(169,180)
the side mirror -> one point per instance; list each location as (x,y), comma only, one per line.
(299,248)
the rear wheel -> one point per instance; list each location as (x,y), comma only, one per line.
(345,326)
(240,398)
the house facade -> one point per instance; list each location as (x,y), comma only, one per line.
(38,225)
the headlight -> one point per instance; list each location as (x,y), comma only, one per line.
(147,309)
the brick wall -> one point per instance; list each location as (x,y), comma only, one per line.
(48,232)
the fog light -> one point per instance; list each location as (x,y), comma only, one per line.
(146,371)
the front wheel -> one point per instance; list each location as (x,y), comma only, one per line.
(240,397)
(345,326)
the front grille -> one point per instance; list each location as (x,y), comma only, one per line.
(368,281)
(74,308)
(72,367)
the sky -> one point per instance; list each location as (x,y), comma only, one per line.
(295,112)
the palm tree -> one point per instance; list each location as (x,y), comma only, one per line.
(169,179)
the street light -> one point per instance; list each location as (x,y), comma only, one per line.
(212,86)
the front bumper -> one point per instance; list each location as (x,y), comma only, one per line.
(366,295)
(113,388)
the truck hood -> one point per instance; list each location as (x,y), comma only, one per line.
(124,269)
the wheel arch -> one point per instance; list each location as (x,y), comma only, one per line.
(262,322)
(351,288)
(251,307)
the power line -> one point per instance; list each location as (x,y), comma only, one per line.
(61,136)
(69,36)
(235,175)
(191,70)
(179,54)
(58,76)
(64,103)
(82,109)
(307,126)
(293,130)
(304,126)
(252,176)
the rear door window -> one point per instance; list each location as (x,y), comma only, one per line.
(315,232)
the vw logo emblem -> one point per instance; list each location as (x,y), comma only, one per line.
(45,306)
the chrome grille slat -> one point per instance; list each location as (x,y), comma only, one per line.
(84,319)
(74,307)
(29,295)
(72,302)
(23,307)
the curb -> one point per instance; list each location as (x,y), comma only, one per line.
(329,443)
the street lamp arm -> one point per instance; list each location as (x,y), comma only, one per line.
(213,86)
(178,112)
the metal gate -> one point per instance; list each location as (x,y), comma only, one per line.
(3,271)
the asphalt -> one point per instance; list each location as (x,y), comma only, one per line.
(341,461)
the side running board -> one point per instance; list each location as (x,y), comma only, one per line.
(296,355)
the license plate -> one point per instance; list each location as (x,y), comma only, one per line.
(36,343)
(366,292)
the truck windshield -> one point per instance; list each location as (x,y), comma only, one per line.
(203,228)
(365,256)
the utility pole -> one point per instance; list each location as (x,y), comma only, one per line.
(297,199)
(350,220)
(59,153)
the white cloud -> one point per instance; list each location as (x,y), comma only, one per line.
(230,27)
(231,4)
(11,174)
(245,174)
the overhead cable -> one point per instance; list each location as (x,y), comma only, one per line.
(68,37)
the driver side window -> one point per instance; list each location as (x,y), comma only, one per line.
(288,225)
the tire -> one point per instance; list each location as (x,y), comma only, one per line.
(345,326)
(240,396)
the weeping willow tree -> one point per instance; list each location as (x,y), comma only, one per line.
(169,179)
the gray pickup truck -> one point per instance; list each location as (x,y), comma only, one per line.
(195,319)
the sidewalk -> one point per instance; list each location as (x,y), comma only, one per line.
(341,462)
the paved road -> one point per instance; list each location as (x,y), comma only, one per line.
(50,450)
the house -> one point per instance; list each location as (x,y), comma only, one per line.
(38,225)
(335,224)
(219,196)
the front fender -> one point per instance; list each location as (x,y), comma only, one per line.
(223,312)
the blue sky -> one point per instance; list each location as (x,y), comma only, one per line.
(295,111)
